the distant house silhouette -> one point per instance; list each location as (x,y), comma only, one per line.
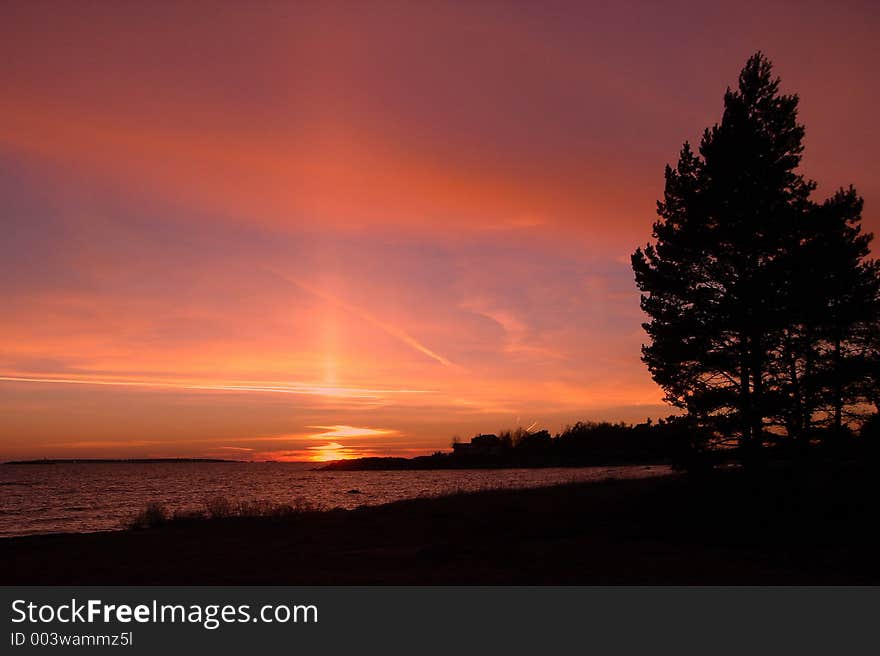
(481,445)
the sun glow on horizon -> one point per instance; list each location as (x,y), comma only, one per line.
(333,450)
(350,431)
(330,452)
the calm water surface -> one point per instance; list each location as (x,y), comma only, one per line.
(101,496)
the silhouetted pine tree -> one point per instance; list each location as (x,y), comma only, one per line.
(755,294)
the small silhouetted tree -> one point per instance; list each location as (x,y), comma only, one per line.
(753,292)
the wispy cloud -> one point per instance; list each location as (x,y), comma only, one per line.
(519,338)
(264,388)
(394,331)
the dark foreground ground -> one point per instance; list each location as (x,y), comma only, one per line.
(784,526)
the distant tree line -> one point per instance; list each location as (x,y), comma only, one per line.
(763,305)
(586,443)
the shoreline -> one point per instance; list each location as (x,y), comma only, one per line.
(637,531)
(262,491)
(448,463)
(244,508)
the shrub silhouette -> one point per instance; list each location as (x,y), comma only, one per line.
(155,514)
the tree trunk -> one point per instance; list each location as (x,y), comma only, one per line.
(756,361)
(807,422)
(745,396)
(838,387)
(797,413)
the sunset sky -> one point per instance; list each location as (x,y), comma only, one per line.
(310,231)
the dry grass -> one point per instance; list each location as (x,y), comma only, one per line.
(156,514)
